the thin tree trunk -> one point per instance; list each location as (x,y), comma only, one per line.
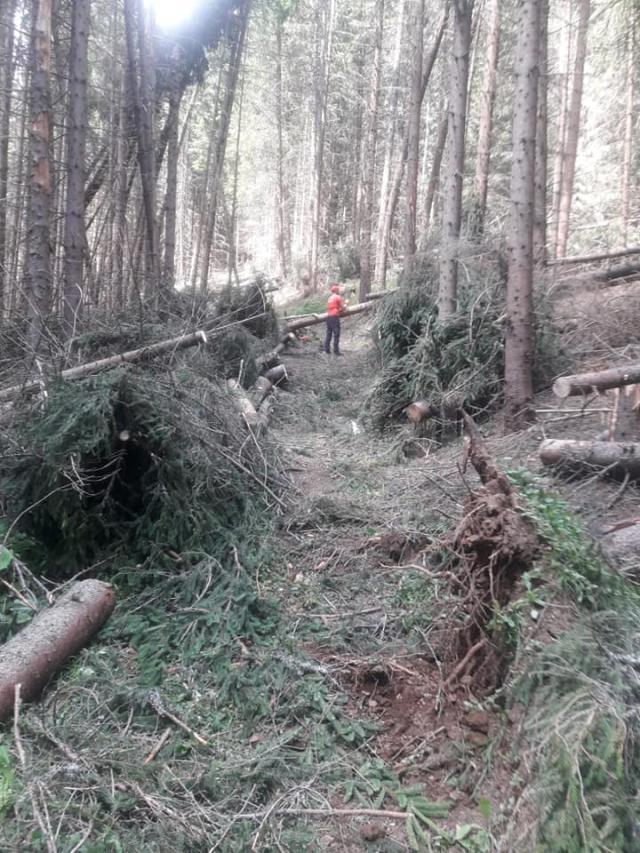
(325,24)
(483,154)
(518,405)
(566,40)
(540,204)
(75,235)
(398,174)
(173,121)
(284,225)
(6,76)
(434,177)
(452,208)
(141,87)
(394,97)
(627,147)
(369,171)
(573,130)
(121,194)
(416,28)
(39,259)
(222,136)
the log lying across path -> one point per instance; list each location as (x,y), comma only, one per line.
(316,319)
(39,651)
(595,258)
(620,459)
(601,380)
(84,370)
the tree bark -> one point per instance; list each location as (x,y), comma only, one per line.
(6,77)
(483,153)
(39,260)
(325,24)
(394,98)
(396,184)
(75,235)
(416,28)
(600,380)
(141,87)
(627,147)
(171,196)
(284,224)
(369,160)
(573,130)
(34,656)
(452,207)
(518,405)
(540,200)
(566,39)
(434,177)
(222,136)
(583,456)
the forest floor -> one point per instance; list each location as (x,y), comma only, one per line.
(315,673)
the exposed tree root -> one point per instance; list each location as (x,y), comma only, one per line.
(493,546)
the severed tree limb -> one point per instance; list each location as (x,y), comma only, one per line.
(601,380)
(619,459)
(41,649)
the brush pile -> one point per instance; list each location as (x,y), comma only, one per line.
(456,366)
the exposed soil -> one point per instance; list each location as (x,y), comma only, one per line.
(359,535)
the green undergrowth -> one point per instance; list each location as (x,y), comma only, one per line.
(582,691)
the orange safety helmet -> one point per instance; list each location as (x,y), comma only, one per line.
(335,288)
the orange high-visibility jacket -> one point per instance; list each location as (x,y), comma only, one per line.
(335,305)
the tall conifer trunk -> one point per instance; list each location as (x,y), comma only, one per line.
(39,288)
(75,236)
(519,344)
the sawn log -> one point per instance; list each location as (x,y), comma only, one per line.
(594,258)
(601,380)
(40,650)
(619,459)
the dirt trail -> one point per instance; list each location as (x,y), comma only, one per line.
(362,585)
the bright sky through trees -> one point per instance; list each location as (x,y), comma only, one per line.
(171,13)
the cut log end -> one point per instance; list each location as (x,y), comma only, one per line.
(37,653)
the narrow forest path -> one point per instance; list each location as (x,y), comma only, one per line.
(366,604)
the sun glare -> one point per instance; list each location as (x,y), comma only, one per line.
(172,13)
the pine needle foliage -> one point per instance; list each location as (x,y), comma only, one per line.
(150,463)
(452,366)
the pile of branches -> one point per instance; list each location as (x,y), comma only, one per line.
(149,462)
(455,366)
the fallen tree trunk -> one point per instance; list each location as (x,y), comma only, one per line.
(40,650)
(84,370)
(619,459)
(316,319)
(594,258)
(601,380)
(272,358)
(613,275)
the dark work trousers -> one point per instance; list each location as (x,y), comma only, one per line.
(333,331)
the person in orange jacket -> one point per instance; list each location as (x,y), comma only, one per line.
(335,308)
